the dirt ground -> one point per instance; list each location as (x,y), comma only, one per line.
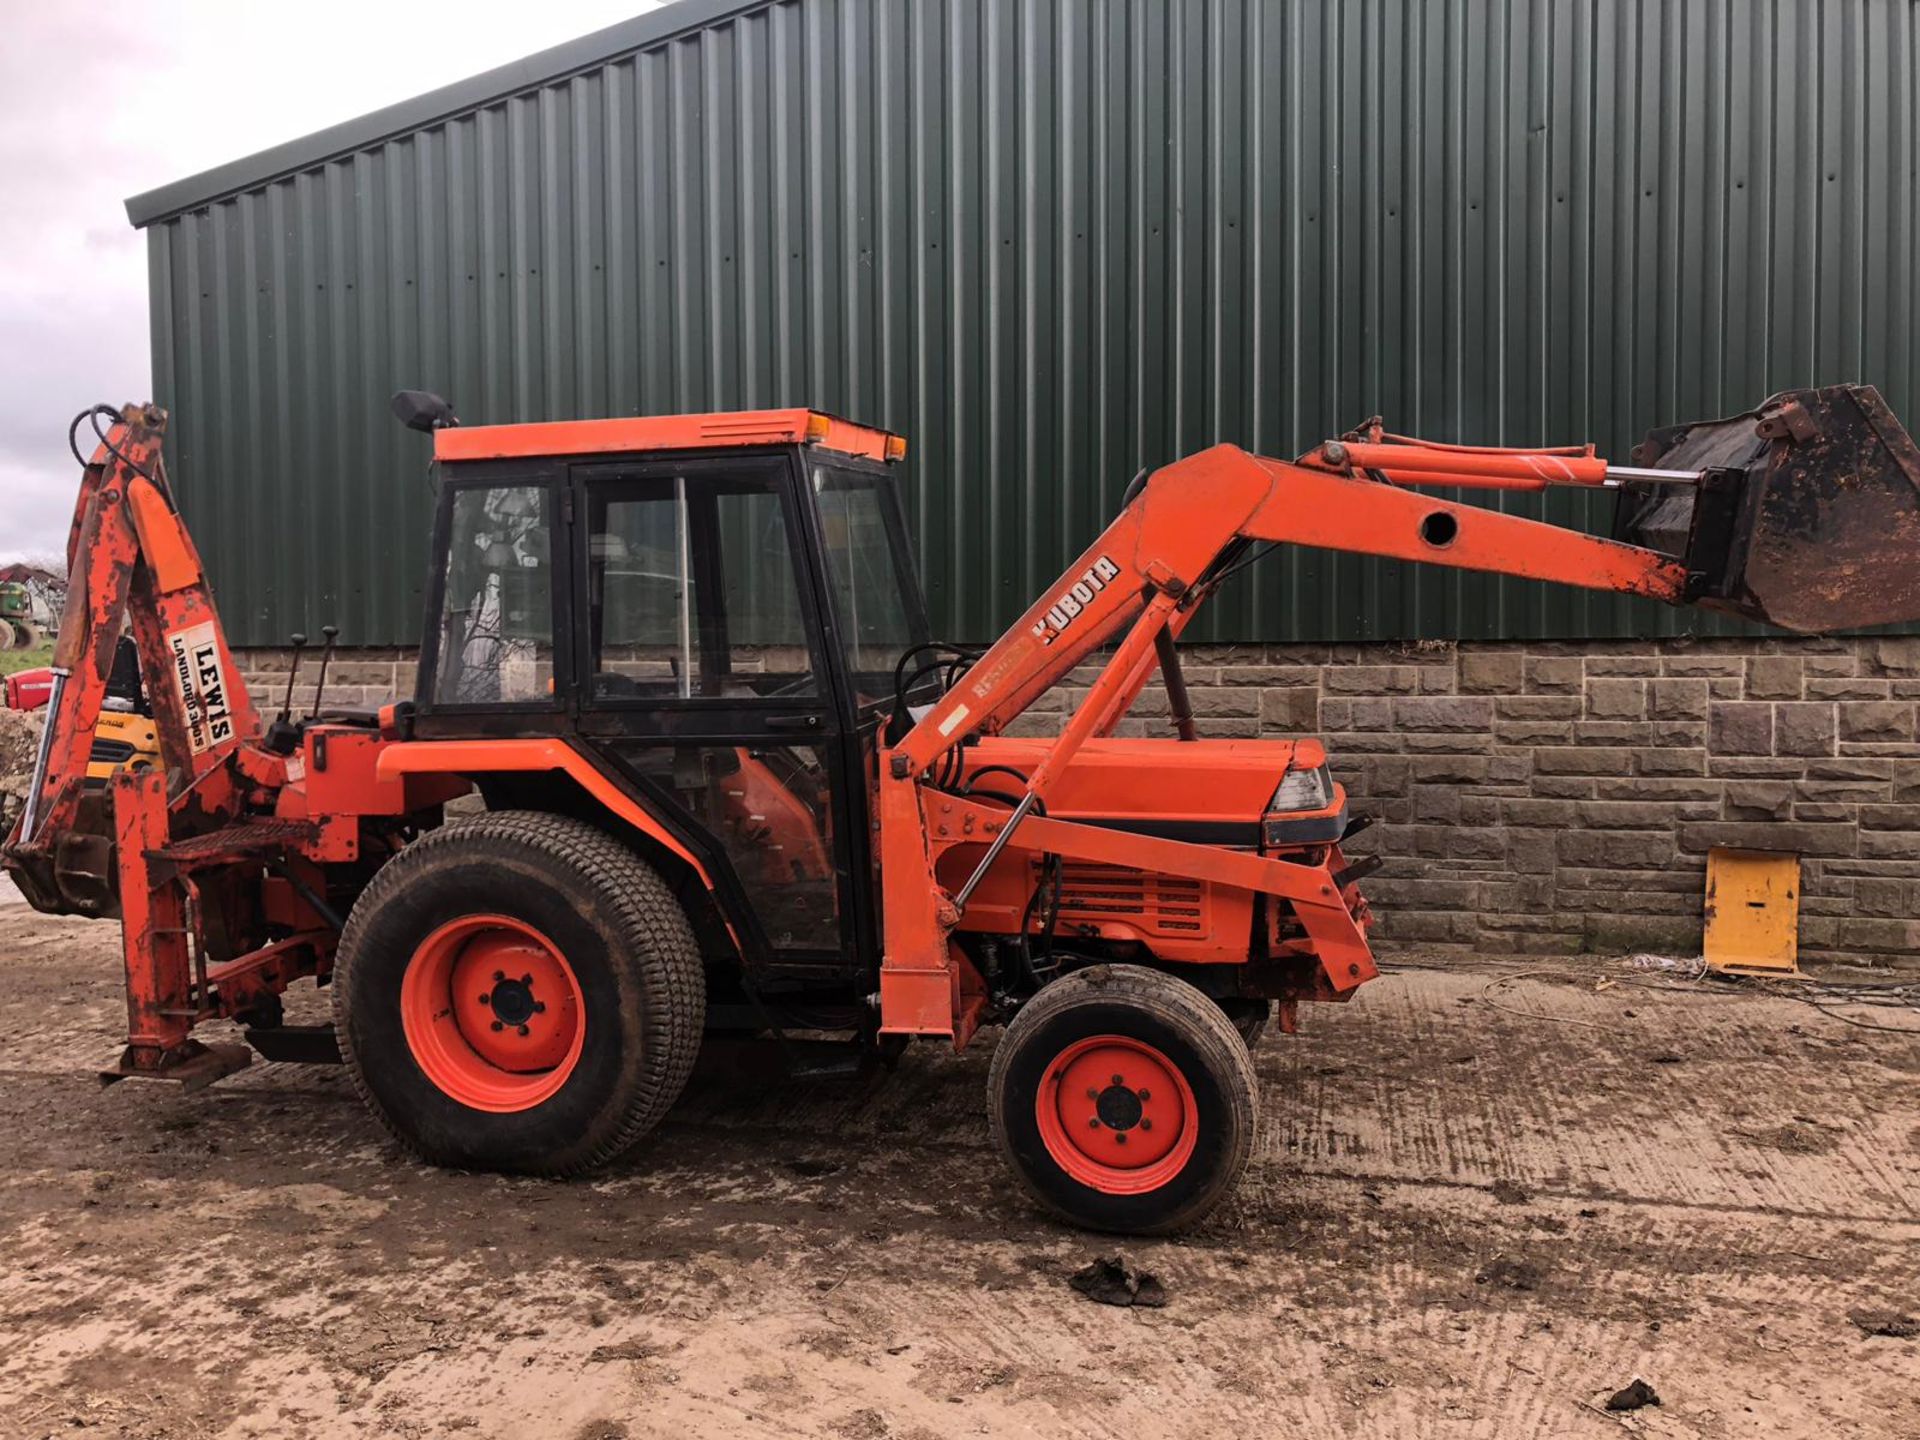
(1461,1220)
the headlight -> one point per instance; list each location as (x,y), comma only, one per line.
(1304,790)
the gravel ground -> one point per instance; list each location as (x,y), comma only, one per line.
(1486,1198)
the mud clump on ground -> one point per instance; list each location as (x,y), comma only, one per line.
(1636,1396)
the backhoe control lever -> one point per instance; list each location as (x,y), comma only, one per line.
(328,633)
(282,735)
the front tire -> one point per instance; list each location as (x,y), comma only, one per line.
(519,992)
(1123,1099)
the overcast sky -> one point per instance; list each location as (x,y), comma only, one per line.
(99,101)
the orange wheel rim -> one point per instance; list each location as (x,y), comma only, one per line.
(1117,1115)
(492,1013)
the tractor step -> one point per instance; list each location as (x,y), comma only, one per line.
(295,1044)
(218,847)
(193,1066)
(788,1058)
(830,1061)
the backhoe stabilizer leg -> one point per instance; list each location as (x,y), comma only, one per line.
(153,931)
(161,999)
(191,1065)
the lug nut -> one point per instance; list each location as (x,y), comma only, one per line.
(1119,1079)
(523,1029)
(1145,1095)
(1092,1094)
(527,980)
(498,1026)
(1093,1122)
(539,1007)
(486,999)
(1146,1124)
(498,976)
(1120,1137)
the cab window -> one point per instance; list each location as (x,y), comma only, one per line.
(496,612)
(691,591)
(874,607)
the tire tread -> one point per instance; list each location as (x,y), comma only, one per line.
(646,914)
(1176,1002)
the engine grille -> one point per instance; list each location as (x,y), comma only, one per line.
(1153,904)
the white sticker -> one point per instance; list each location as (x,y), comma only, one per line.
(202,682)
(953,721)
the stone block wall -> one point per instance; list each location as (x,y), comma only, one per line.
(356,677)
(1552,797)
(1563,797)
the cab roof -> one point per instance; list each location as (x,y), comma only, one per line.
(721,430)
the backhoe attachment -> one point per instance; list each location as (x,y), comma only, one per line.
(132,566)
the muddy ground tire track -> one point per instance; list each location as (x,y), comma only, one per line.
(1461,1222)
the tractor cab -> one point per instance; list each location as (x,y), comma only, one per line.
(711,607)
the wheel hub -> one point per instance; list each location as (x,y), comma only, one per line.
(1119,1108)
(512,1001)
(492,1013)
(1116,1114)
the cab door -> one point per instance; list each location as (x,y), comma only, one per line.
(702,676)
(876,623)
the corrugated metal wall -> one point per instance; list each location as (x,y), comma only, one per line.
(1053,241)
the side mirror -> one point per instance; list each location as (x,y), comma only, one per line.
(423,410)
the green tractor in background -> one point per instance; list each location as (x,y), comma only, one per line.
(17,628)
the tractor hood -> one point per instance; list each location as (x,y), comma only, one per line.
(1206,791)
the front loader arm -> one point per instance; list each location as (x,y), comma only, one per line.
(1191,512)
(1141,582)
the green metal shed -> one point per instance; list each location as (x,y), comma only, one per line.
(1052,241)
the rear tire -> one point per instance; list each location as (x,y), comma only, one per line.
(1123,1099)
(520,992)
(6,635)
(26,634)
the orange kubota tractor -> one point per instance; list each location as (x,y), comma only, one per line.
(730,783)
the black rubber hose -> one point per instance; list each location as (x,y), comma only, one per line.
(903,684)
(93,413)
(974,779)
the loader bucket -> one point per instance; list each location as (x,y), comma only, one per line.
(1806,514)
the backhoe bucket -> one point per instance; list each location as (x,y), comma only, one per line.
(1806,514)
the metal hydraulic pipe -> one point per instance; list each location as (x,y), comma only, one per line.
(1516,465)
(1615,477)
(42,754)
(965,892)
(1178,701)
(1617,474)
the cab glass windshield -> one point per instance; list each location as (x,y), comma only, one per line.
(875,609)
